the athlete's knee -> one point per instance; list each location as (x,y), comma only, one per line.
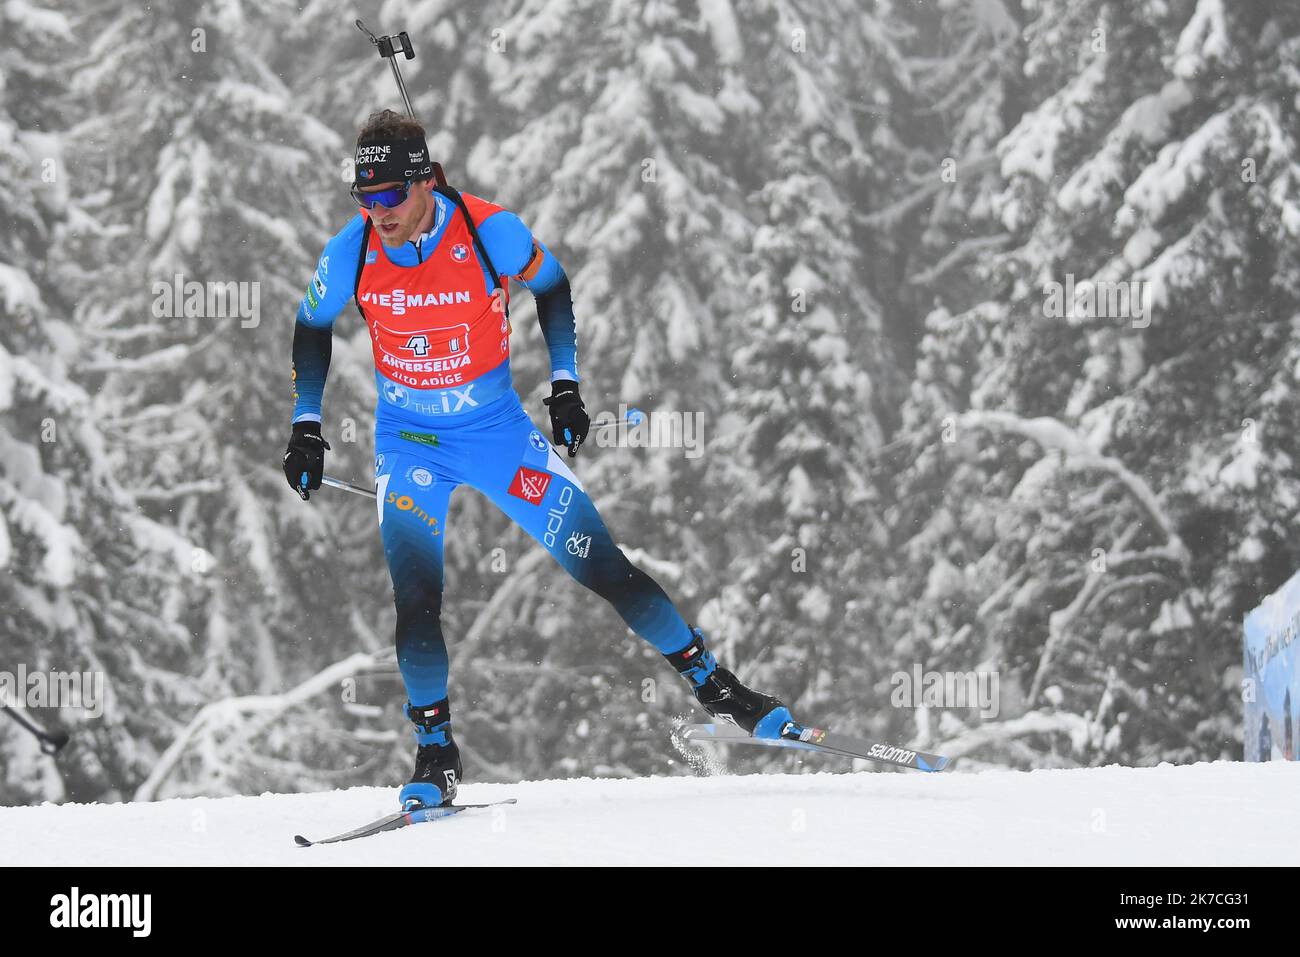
(417,591)
(609,574)
(416,604)
(419,628)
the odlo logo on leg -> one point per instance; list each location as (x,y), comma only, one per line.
(555,516)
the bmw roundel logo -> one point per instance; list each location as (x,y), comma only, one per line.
(379,463)
(395,394)
(536,441)
(460,252)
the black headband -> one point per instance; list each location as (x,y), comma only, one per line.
(384,160)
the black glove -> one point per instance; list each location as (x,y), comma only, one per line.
(569,421)
(304,459)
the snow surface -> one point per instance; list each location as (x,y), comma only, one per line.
(1203,814)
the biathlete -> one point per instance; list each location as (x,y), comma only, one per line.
(429,269)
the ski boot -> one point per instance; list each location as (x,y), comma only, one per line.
(437,762)
(722,695)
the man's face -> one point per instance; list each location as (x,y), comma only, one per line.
(396,226)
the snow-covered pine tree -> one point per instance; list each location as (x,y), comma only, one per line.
(80,564)
(204,185)
(810,376)
(1116,488)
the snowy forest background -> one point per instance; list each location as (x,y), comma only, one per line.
(823,227)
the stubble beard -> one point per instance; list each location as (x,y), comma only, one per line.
(409,222)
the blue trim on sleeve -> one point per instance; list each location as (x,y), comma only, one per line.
(509,242)
(332,283)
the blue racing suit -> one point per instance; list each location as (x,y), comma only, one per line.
(447,414)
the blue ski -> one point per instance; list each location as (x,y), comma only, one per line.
(401,819)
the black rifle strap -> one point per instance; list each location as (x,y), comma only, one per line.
(456,198)
(361,262)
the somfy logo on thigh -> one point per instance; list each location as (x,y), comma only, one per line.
(75,910)
(404,503)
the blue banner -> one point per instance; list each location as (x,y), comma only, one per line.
(1271,691)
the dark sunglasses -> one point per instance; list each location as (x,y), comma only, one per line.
(388,198)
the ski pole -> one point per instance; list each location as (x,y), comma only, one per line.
(388,47)
(51,741)
(346,486)
(634,418)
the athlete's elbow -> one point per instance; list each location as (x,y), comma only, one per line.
(556,289)
(310,320)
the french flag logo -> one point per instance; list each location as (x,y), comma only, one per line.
(530,484)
